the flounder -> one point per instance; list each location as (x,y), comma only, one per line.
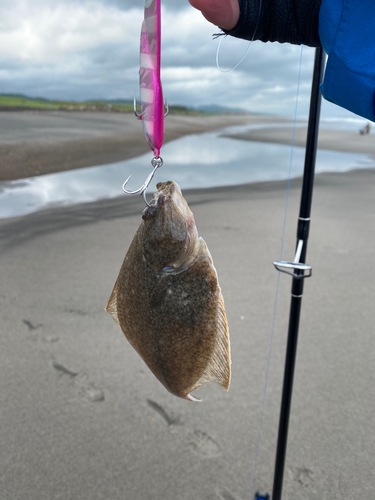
(167,299)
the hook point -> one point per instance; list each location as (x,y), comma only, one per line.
(139,117)
(156,162)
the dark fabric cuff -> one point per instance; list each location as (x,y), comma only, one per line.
(283,21)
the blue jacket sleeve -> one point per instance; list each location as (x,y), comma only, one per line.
(347,33)
(345,29)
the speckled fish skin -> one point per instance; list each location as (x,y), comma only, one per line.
(167,299)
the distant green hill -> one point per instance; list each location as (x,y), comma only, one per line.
(20,102)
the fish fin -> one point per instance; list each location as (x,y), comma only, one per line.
(111,306)
(218,369)
(190,397)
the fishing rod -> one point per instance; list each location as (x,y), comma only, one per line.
(299,270)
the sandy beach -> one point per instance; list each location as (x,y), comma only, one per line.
(39,142)
(35,143)
(346,141)
(82,417)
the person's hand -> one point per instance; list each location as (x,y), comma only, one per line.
(222,13)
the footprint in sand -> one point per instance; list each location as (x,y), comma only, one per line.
(37,335)
(203,444)
(303,476)
(197,441)
(86,389)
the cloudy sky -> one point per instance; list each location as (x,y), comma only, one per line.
(79,50)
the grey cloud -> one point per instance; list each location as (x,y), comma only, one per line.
(265,80)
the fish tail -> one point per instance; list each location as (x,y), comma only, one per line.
(192,398)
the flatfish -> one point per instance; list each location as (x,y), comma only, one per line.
(167,299)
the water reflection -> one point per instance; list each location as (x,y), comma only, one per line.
(194,161)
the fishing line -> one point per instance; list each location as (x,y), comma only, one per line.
(278,277)
(246,51)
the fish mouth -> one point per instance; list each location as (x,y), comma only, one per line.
(169,188)
(169,195)
(166,199)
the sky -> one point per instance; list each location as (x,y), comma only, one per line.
(81,50)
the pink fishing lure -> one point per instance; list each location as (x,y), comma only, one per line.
(151,93)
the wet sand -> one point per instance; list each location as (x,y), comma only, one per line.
(82,416)
(346,141)
(37,143)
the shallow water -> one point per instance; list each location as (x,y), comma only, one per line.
(194,161)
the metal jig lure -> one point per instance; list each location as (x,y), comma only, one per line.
(153,109)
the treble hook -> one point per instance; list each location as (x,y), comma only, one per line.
(166,108)
(139,116)
(156,162)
